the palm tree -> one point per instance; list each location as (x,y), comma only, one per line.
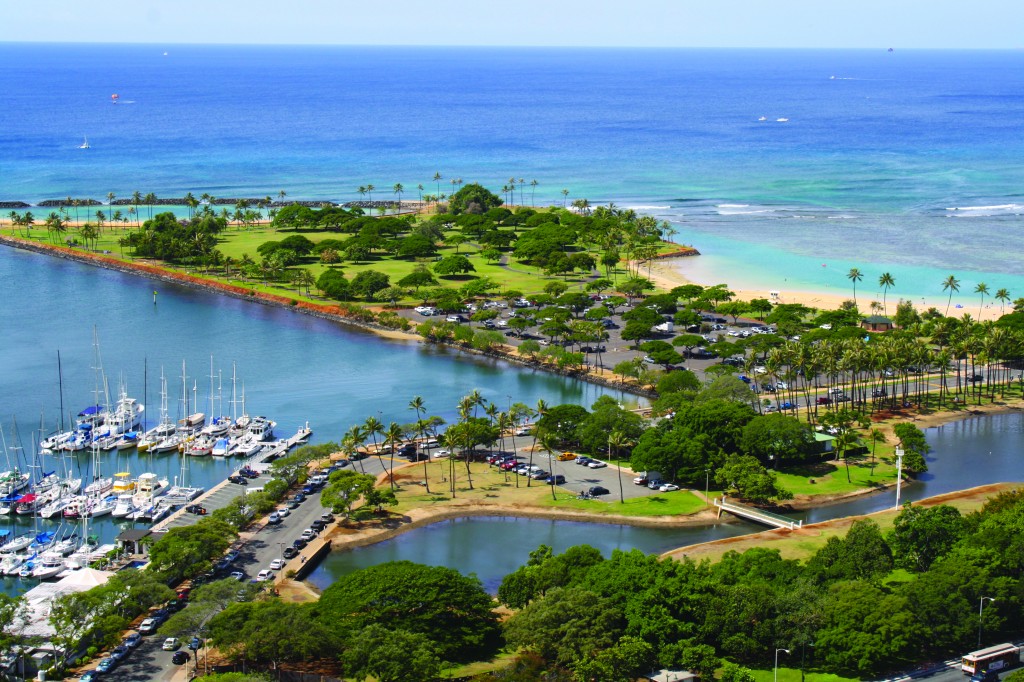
(885,281)
(419,190)
(533,192)
(565,193)
(953,285)
(110,198)
(1002,295)
(541,410)
(369,190)
(373,427)
(437,179)
(854,275)
(548,442)
(982,289)
(393,436)
(417,404)
(281,195)
(616,440)
(398,189)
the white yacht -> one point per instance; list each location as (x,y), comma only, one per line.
(49,565)
(102,507)
(13,481)
(125,506)
(11,563)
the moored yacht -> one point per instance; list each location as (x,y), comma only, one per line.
(50,565)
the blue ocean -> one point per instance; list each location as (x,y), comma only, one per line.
(780,166)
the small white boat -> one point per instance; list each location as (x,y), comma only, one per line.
(13,481)
(124,506)
(29,504)
(763,118)
(169,444)
(17,544)
(191,423)
(222,447)
(218,426)
(102,507)
(782,120)
(85,144)
(99,487)
(200,447)
(11,563)
(49,565)
(55,507)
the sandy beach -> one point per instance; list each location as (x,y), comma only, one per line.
(668,273)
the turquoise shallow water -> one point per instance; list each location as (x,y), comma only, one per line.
(877,150)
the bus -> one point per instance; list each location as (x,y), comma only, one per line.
(998,657)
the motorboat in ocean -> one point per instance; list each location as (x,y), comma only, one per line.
(150,487)
(85,143)
(123,483)
(261,429)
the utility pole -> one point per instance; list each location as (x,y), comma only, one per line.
(899,475)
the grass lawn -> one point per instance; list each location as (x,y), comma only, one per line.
(480,667)
(793,675)
(490,487)
(829,478)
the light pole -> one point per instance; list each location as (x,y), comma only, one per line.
(899,475)
(707,484)
(777,662)
(981,610)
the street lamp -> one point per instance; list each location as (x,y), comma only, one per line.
(899,475)
(777,662)
(981,609)
(707,484)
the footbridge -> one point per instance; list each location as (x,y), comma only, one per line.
(757,515)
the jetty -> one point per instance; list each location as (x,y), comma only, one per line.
(761,516)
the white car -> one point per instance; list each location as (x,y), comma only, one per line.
(668,488)
(277,564)
(237,575)
(597,464)
(283,512)
(170,644)
(442,453)
(264,575)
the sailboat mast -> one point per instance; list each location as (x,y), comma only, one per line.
(60,384)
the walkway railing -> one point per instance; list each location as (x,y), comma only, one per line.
(757,515)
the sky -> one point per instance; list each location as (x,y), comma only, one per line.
(951,24)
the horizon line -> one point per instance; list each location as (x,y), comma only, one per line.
(519,46)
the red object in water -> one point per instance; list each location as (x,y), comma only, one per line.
(115,97)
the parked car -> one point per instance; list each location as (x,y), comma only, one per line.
(327,517)
(539,475)
(596,464)
(640,480)
(133,639)
(308,534)
(975,378)
(89,676)
(566,456)
(264,576)
(290,553)
(274,518)
(195,644)
(318,525)
(557,479)
(238,480)
(598,490)
(106,665)
(824,400)
(299,497)
(583,461)
(283,512)
(180,658)
(277,564)
(237,575)
(786,405)
(299,543)
(292,504)
(119,652)
(442,453)
(668,487)
(170,644)
(196,509)
(655,483)
(148,626)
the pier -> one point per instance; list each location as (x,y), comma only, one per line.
(221,494)
(757,515)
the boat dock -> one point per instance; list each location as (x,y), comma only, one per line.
(221,494)
(757,515)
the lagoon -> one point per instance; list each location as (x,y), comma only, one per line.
(965,454)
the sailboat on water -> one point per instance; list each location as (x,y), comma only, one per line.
(85,144)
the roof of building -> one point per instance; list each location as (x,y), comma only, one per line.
(40,597)
(670,676)
(877,319)
(133,534)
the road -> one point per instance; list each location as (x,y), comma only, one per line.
(257,548)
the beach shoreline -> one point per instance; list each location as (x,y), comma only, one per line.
(668,273)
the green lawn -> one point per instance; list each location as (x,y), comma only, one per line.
(829,478)
(793,675)
(679,503)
